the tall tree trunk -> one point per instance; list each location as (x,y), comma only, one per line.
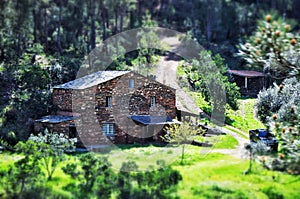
(116,18)
(46,29)
(19,25)
(122,19)
(182,153)
(34,26)
(102,16)
(93,27)
(131,19)
(58,39)
(139,11)
(208,29)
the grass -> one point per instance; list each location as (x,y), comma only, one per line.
(239,132)
(209,175)
(243,118)
(221,176)
(223,142)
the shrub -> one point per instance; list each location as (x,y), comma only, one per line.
(160,183)
(281,106)
(277,99)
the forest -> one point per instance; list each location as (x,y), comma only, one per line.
(43,43)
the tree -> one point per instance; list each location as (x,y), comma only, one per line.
(207,69)
(273,48)
(275,99)
(180,134)
(93,176)
(160,183)
(50,149)
(278,107)
(287,128)
(25,175)
(147,56)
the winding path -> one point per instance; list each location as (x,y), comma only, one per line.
(165,73)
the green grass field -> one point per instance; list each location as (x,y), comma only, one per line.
(221,176)
(205,175)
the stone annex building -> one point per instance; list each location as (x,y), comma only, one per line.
(111,107)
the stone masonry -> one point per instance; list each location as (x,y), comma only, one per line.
(90,105)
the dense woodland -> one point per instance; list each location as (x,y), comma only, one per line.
(43,42)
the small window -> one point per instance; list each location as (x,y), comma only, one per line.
(131,84)
(108,102)
(60,99)
(152,101)
(72,132)
(108,129)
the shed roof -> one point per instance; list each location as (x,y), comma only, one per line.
(246,73)
(153,120)
(55,119)
(91,80)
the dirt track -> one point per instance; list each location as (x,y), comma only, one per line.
(165,73)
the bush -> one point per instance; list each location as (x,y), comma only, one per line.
(209,72)
(281,106)
(278,99)
(272,193)
(151,184)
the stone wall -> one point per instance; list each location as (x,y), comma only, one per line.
(90,105)
(62,99)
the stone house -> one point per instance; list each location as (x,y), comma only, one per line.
(111,107)
(250,82)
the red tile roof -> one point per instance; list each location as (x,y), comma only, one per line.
(246,73)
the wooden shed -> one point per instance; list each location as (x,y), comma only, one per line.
(250,82)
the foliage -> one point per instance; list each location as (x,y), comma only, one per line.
(277,99)
(181,134)
(30,97)
(147,56)
(8,141)
(160,183)
(24,176)
(202,172)
(287,128)
(273,47)
(50,149)
(279,107)
(94,176)
(201,73)
(244,118)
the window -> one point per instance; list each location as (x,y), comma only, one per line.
(60,99)
(108,129)
(72,131)
(131,83)
(152,101)
(108,102)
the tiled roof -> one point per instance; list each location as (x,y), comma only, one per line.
(147,119)
(92,79)
(246,73)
